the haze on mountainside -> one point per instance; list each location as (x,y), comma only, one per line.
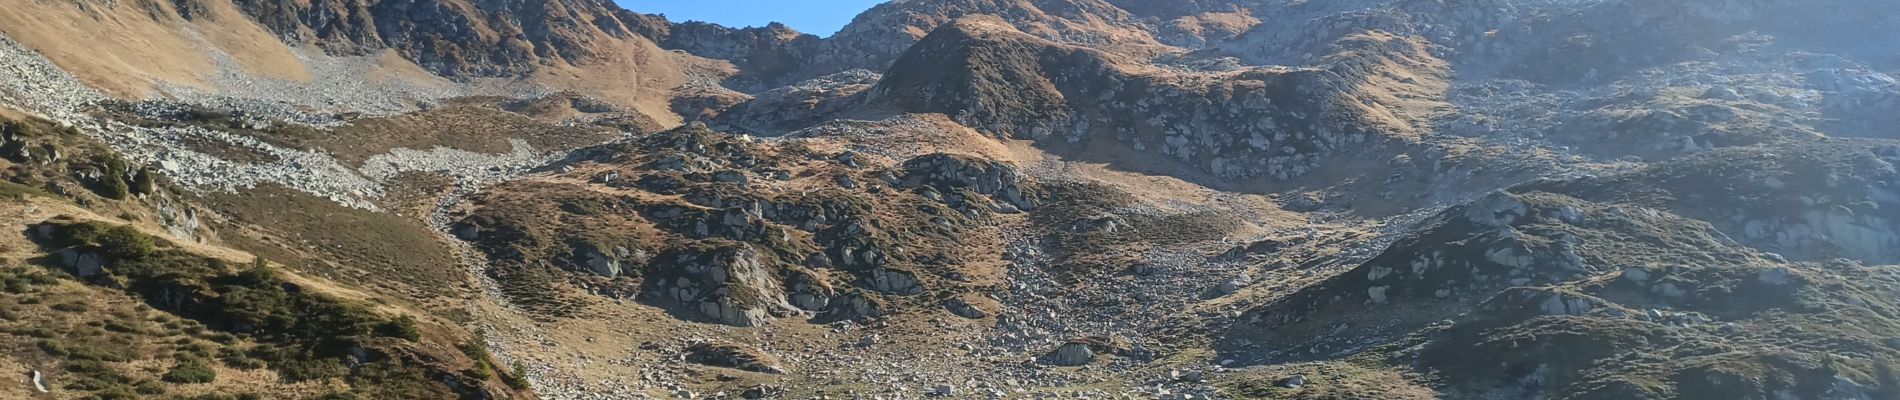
(1223,199)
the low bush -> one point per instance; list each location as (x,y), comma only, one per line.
(191,370)
(519,378)
(477,352)
(301,334)
(71,307)
(403,327)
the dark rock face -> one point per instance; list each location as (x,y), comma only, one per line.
(731,286)
(1083,351)
(749,231)
(947,173)
(1264,122)
(1508,240)
(455,37)
(1812,201)
(876,38)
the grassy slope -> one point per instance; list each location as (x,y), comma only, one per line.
(177,318)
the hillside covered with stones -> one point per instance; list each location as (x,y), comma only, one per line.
(1206,199)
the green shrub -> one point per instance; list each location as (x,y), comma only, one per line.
(38,332)
(148,388)
(71,307)
(121,242)
(117,393)
(194,350)
(125,242)
(519,379)
(124,327)
(89,350)
(403,327)
(53,349)
(15,285)
(94,375)
(483,369)
(303,335)
(145,182)
(299,369)
(111,183)
(25,281)
(40,279)
(241,361)
(191,370)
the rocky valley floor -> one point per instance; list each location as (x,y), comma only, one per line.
(1204,199)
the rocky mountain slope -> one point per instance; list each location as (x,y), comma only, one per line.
(1282,199)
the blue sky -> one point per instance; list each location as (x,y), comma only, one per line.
(817,17)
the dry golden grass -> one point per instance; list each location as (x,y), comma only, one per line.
(126,49)
(1401,85)
(106,307)
(386,253)
(471,128)
(121,49)
(1341,380)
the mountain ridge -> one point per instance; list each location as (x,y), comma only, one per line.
(1231,199)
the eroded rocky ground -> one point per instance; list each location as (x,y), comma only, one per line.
(1009,199)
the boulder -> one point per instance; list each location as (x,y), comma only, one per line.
(848,159)
(964,309)
(1637,275)
(1142,269)
(590,259)
(808,293)
(1190,376)
(1497,210)
(762,392)
(890,281)
(1776,276)
(16,151)
(82,263)
(1377,294)
(855,306)
(1232,285)
(730,176)
(1071,354)
(724,309)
